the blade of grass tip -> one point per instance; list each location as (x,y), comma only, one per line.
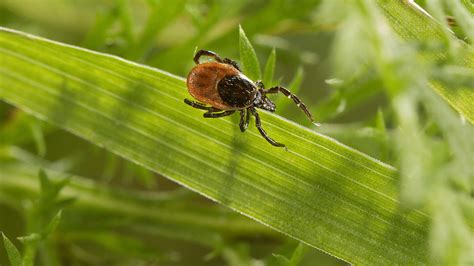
(248,57)
(269,69)
(13,254)
(38,137)
(380,122)
(296,256)
(52,225)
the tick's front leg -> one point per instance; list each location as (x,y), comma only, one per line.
(207,53)
(201,106)
(217,115)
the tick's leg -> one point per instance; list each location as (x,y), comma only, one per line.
(260,85)
(232,62)
(201,106)
(258,124)
(295,99)
(207,53)
(244,119)
(217,115)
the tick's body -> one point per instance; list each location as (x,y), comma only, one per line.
(222,85)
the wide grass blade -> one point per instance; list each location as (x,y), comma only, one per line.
(318,191)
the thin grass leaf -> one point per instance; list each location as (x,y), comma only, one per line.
(38,138)
(248,57)
(14,255)
(295,259)
(380,122)
(318,191)
(52,224)
(269,69)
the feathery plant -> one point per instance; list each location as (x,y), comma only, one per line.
(42,216)
(399,89)
(433,147)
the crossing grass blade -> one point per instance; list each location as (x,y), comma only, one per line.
(318,191)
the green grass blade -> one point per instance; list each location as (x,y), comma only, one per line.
(14,255)
(248,57)
(269,69)
(318,191)
(295,258)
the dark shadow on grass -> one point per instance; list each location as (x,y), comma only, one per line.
(64,106)
(239,145)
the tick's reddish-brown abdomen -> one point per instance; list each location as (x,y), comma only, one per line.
(203,79)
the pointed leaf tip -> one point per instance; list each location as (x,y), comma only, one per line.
(13,254)
(248,57)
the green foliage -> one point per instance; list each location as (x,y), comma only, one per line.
(263,175)
(269,69)
(43,218)
(381,76)
(428,168)
(14,255)
(250,64)
(295,258)
(43,215)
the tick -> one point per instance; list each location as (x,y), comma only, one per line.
(222,89)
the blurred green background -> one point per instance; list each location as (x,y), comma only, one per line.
(164,34)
